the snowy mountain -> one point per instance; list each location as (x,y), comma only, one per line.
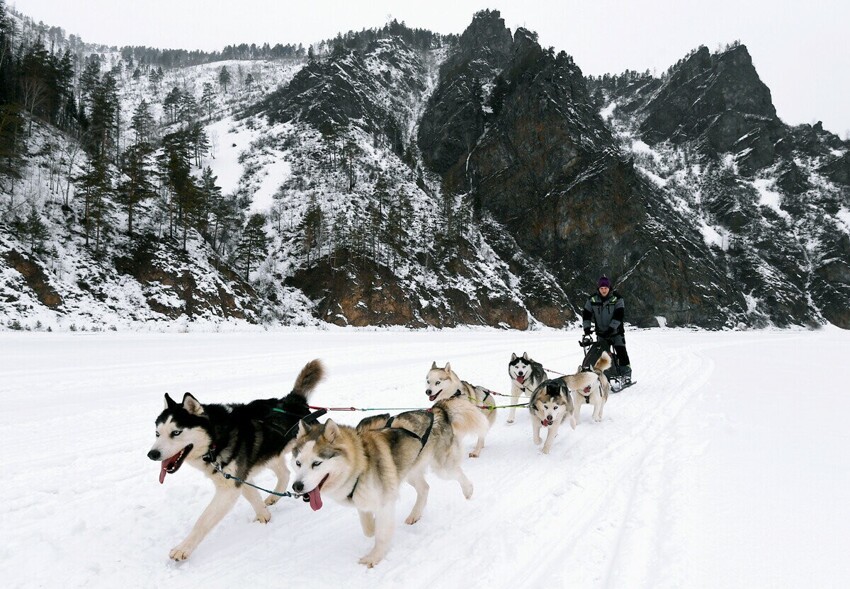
(422,181)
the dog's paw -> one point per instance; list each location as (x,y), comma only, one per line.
(474,454)
(271,500)
(411,519)
(265,517)
(370,560)
(181,552)
(510,421)
(546,449)
(537,441)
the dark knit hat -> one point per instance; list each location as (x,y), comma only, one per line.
(603,281)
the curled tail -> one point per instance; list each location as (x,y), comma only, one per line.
(603,364)
(308,378)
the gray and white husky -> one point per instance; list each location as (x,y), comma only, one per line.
(444,384)
(237,439)
(364,466)
(550,405)
(526,375)
(591,387)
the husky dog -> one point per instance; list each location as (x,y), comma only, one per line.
(444,384)
(591,387)
(364,466)
(526,375)
(550,405)
(235,439)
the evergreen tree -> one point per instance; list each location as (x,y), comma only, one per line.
(32,231)
(171,104)
(175,163)
(224,78)
(311,227)
(253,246)
(137,184)
(96,185)
(143,123)
(207,98)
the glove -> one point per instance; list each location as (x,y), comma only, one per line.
(608,332)
(586,331)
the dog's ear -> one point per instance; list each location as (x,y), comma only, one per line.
(448,367)
(192,405)
(331,430)
(169,402)
(303,428)
(433,365)
(513,357)
(525,355)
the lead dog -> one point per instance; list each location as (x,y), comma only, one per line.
(526,375)
(551,405)
(238,439)
(444,384)
(591,387)
(364,466)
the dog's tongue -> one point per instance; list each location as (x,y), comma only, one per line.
(520,379)
(315,497)
(166,464)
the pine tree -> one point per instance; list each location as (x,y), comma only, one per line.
(137,184)
(143,123)
(311,227)
(224,78)
(175,163)
(207,98)
(254,244)
(32,231)
(96,185)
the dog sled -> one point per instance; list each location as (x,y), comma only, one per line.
(618,378)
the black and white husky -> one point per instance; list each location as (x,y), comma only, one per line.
(526,375)
(236,439)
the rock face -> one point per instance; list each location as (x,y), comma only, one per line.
(455,115)
(774,193)
(547,167)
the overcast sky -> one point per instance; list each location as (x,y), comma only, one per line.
(800,47)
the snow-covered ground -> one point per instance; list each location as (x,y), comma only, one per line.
(726,466)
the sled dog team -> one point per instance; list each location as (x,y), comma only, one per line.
(361,466)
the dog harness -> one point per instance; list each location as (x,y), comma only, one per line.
(586,392)
(422,439)
(487,393)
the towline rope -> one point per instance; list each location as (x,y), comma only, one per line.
(217,466)
(409,408)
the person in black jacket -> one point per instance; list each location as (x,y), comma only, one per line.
(606,309)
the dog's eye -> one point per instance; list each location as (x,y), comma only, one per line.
(298,463)
(436,383)
(315,464)
(176,433)
(157,434)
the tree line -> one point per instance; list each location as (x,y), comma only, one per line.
(148,175)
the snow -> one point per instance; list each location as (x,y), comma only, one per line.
(843,217)
(725,466)
(769,197)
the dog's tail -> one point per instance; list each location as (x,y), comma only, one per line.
(308,378)
(604,363)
